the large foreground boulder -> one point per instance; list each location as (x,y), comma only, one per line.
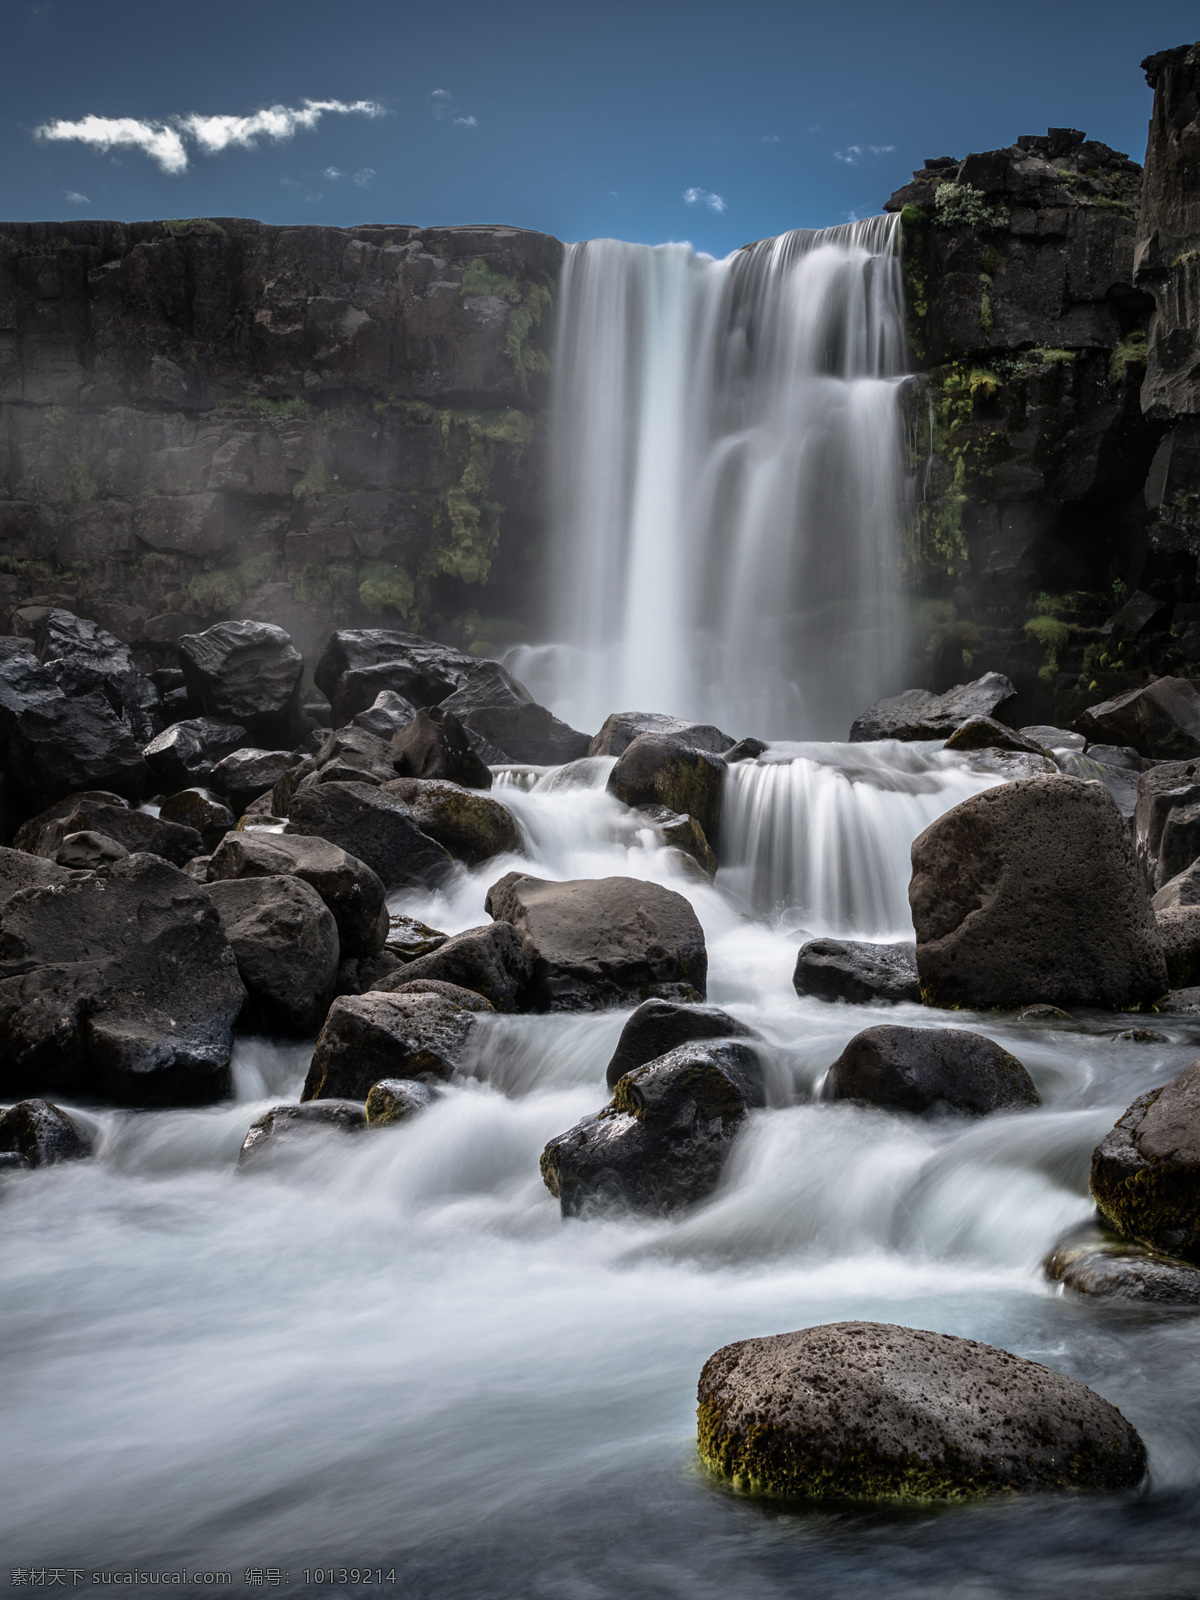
(929,1070)
(1160,720)
(1029,893)
(600,942)
(472,826)
(36,1133)
(347,885)
(659,769)
(377,827)
(663,1141)
(247,672)
(286,944)
(419,1032)
(660,1026)
(918,714)
(1146,1172)
(623,727)
(121,985)
(491,961)
(850,969)
(865,1410)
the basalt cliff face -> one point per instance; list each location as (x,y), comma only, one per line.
(311,426)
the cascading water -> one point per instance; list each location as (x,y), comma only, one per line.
(729,482)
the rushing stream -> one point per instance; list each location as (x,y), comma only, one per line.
(391,1349)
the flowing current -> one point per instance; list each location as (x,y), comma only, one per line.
(729,484)
(390,1352)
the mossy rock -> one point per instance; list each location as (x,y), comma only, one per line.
(658,769)
(471,826)
(394,1100)
(1146,1172)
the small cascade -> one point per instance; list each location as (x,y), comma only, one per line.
(729,483)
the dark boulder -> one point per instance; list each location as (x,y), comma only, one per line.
(20,870)
(37,1134)
(1051,738)
(850,969)
(660,1026)
(1181,890)
(121,985)
(386,715)
(246,774)
(662,1142)
(491,961)
(472,826)
(929,1069)
(394,1100)
(658,769)
(284,1127)
(71,743)
(1029,893)
(24,682)
(1166,821)
(1179,930)
(985,733)
(864,1410)
(1146,1172)
(745,750)
(83,659)
(186,753)
(435,745)
(351,755)
(346,884)
(32,829)
(495,706)
(917,714)
(409,938)
(247,672)
(357,663)
(623,727)
(600,942)
(1091,1260)
(198,809)
(376,826)
(89,852)
(1160,720)
(358,974)
(286,944)
(680,832)
(134,830)
(412,1033)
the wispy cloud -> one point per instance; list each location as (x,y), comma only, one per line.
(442,104)
(702,197)
(164,142)
(854,153)
(364,177)
(465,122)
(770,138)
(76,199)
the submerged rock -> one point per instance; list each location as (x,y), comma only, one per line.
(490,960)
(918,714)
(1029,893)
(600,942)
(867,1410)
(395,1100)
(1092,1260)
(419,1032)
(663,1141)
(849,969)
(285,1126)
(929,1069)
(660,1026)
(1146,1172)
(37,1134)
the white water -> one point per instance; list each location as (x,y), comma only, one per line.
(729,483)
(392,1349)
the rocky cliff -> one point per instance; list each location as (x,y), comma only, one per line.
(312,425)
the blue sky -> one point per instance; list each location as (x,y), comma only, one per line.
(717,123)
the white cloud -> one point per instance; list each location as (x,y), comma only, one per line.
(853,153)
(440,102)
(881,149)
(332,174)
(698,197)
(76,199)
(770,138)
(163,142)
(465,122)
(364,176)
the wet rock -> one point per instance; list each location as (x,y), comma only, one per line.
(83,659)
(248,773)
(662,1142)
(133,830)
(659,1026)
(1051,738)
(72,743)
(198,809)
(38,1134)
(681,832)
(1141,1036)
(863,1410)
(357,663)
(1043,1014)
(1092,1260)
(352,755)
(1011,765)
(500,710)
(377,826)
(121,985)
(1161,720)
(1123,757)
(929,1069)
(1029,893)
(357,974)
(1146,1172)
(283,1127)
(1166,821)
(490,960)
(31,830)
(346,884)
(386,715)
(850,969)
(472,826)
(1179,930)
(1181,890)
(20,870)
(421,1033)
(435,745)
(1180,1002)
(24,682)
(623,727)
(983,733)
(409,938)
(89,852)
(917,714)
(246,672)
(186,753)
(602,942)
(658,769)
(395,1100)
(745,750)
(287,949)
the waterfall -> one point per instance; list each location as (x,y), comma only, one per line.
(729,482)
